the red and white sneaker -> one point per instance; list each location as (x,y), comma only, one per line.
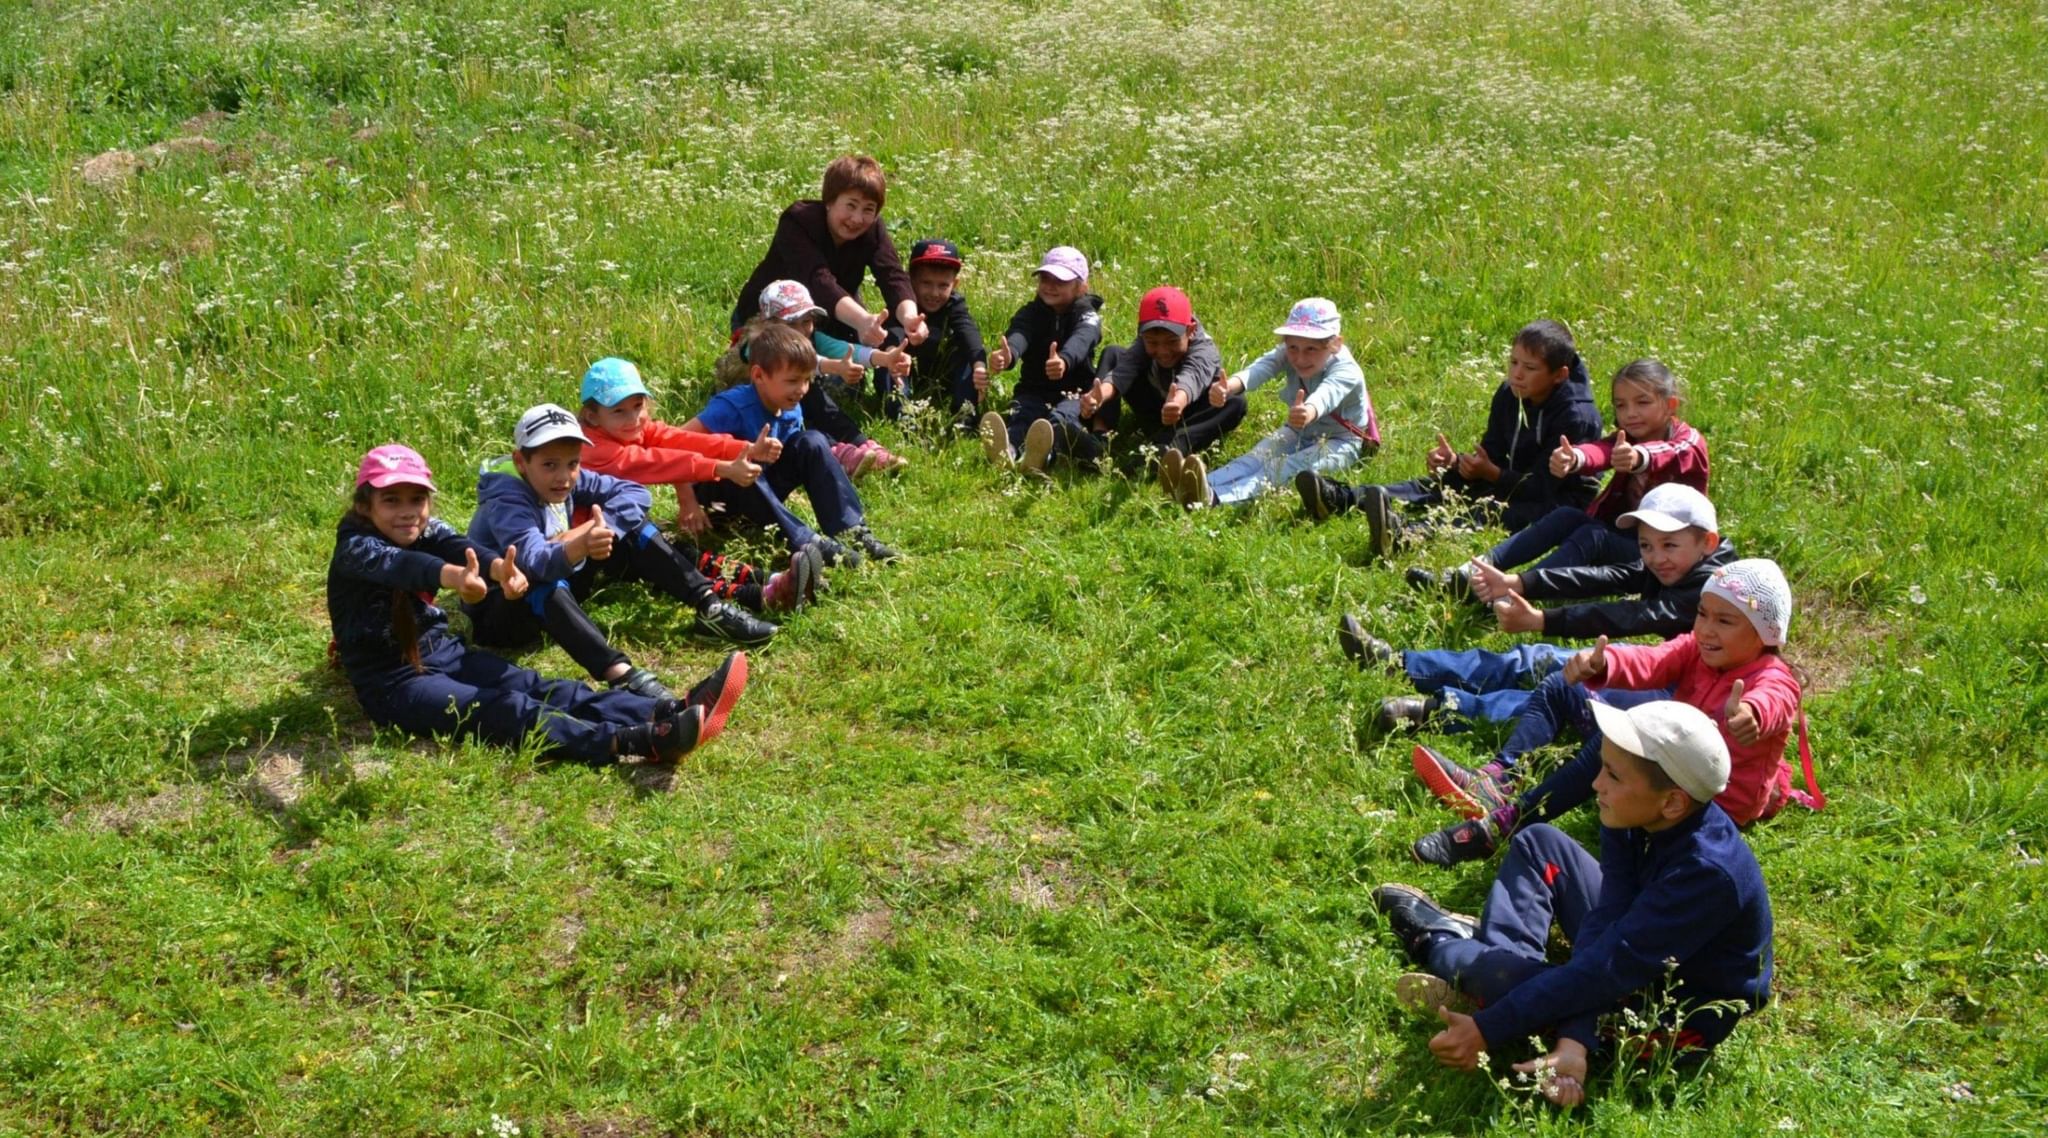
(856,460)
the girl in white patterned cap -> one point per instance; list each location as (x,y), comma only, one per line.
(1729,666)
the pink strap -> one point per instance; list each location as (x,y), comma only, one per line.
(1811,797)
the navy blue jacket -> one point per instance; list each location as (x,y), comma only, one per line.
(1520,436)
(1663,611)
(367,574)
(1033,332)
(508,512)
(944,363)
(1692,894)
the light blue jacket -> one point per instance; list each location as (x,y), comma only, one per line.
(1337,394)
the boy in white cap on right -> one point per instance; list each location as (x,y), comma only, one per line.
(1330,423)
(1673,919)
(1677,536)
(1053,340)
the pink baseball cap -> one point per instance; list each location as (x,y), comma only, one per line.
(787,300)
(392,464)
(1064,262)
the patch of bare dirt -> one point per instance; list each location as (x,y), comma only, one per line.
(202,122)
(175,806)
(1833,639)
(858,937)
(1047,886)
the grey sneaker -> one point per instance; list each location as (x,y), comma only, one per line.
(1038,442)
(995,441)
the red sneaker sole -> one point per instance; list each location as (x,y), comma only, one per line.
(1447,792)
(716,715)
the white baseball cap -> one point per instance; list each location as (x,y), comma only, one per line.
(1676,736)
(546,423)
(1670,507)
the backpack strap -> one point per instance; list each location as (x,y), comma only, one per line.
(1811,797)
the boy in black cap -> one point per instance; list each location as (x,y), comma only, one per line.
(950,365)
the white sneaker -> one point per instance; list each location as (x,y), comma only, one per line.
(995,441)
(1037,448)
(1194,483)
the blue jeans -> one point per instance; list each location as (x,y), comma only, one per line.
(1565,538)
(475,693)
(1480,684)
(1555,707)
(806,464)
(1545,877)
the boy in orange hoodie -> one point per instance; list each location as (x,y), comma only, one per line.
(625,441)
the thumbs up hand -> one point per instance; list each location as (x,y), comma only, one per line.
(1219,391)
(1514,613)
(1170,410)
(1300,414)
(980,379)
(1478,466)
(469,578)
(1565,459)
(915,329)
(739,471)
(765,448)
(1740,718)
(1587,666)
(597,542)
(1055,367)
(1001,359)
(1489,584)
(1440,456)
(1626,457)
(506,572)
(869,328)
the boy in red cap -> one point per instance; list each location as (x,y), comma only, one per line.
(1164,376)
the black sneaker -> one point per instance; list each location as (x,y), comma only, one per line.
(1459,842)
(1368,650)
(642,682)
(666,739)
(1320,497)
(1407,711)
(1455,582)
(716,694)
(835,553)
(733,623)
(1416,919)
(1380,521)
(871,546)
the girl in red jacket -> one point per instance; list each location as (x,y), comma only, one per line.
(626,442)
(1729,666)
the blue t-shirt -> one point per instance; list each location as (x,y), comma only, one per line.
(739,412)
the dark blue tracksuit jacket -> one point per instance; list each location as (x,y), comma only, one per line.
(1692,894)
(508,512)
(367,575)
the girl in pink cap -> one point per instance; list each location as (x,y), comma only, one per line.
(391,555)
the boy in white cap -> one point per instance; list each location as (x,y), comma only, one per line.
(1673,919)
(572,526)
(1330,422)
(1729,666)
(1053,339)
(1676,531)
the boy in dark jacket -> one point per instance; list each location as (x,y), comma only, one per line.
(950,366)
(1673,921)
(572,527)
(1164,375)
(1546,395)
(1053,340)
(1676,531)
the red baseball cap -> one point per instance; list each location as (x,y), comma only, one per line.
(1166,307)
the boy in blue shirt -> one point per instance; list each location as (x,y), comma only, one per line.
(768,408)
(572,527)
(1675,909)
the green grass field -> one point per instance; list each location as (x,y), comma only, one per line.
(1066,825)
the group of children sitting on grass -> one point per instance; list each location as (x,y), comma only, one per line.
(1681,742)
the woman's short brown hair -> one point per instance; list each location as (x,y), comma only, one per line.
(859,174)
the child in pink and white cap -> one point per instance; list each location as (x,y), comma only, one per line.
(840,365)
(1330,423)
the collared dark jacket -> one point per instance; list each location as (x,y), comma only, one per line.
(1692,896)
(1661,610)
(802,251)
(508,513)
(1202,366)
(1520,436)
(367,575)
(952,346)
(1033,332)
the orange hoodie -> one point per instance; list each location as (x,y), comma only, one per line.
(664,456)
